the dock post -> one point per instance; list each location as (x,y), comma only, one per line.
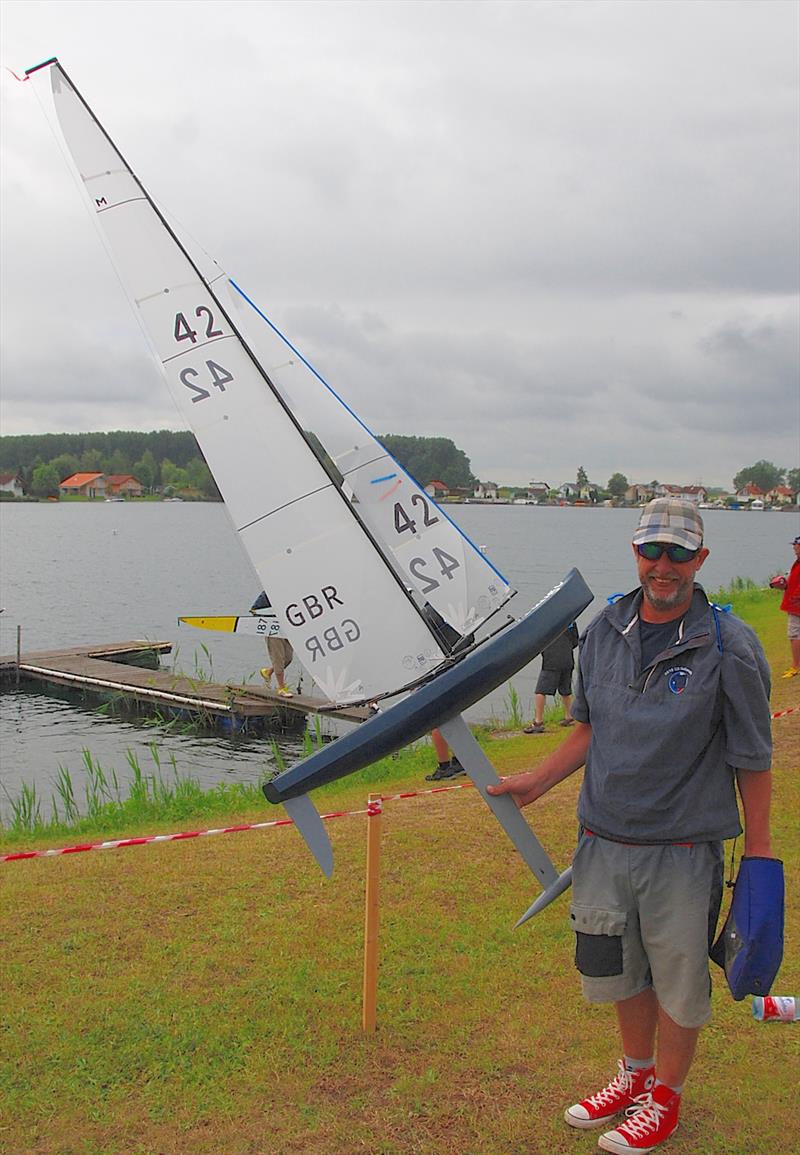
(371,914)
(19,651)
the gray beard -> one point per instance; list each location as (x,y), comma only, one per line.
(676,598)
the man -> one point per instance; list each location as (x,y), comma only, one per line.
(555,677)
(279,651)
(671,709)
(448,765)
(790,604)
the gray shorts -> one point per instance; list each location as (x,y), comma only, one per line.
(794,625)
(552,681)
(644,916)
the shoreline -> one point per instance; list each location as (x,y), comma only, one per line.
(152,801)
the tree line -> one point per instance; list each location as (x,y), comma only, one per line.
(163,459)
(763,474)
(171,460)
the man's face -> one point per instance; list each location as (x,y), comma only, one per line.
(667,585)
(797,550)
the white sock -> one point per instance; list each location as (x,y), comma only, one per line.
(676,1090)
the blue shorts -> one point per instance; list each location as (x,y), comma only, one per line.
(644,917)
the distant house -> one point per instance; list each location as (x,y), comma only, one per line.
(538,490)
(694,493)
(485,491)
(84,485)
(568,491)
(123,485)
(437,490)
(750,492)
(636,494)
(11,483)
(781,495)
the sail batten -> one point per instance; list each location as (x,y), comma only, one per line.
(339,601)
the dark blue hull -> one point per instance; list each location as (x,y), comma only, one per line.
(445,696)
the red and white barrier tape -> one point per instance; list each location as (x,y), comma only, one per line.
(432,790)
(374,808)
(117,843)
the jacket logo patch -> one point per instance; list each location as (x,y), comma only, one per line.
(678,678)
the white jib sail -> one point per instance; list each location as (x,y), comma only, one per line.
(429,550)
(346,614)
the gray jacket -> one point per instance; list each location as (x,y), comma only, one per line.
(666,740)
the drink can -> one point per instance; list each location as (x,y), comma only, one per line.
(776,1009)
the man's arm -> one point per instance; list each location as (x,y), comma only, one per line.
(755,789)
(532,784)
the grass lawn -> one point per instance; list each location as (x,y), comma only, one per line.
(205,996)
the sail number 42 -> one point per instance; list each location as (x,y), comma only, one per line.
(216,375)
(418,565)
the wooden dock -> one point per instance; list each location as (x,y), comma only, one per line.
(129,673)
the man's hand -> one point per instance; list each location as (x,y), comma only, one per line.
(532,784)
(524,788)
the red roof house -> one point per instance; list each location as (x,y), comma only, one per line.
(84,485)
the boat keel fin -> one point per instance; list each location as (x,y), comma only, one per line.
(458,735)
(305,816)
(562,883)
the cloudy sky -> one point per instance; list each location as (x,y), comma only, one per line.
(561,233)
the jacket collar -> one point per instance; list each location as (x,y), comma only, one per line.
(624,613)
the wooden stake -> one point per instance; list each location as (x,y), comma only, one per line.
(371,914)
(19,649)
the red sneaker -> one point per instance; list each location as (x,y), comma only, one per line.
(620,1094)
(651,1120)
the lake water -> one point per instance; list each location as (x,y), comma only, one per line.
(78,573)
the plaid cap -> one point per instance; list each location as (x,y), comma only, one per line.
(672,521)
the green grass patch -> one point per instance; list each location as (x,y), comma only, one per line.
(205,996)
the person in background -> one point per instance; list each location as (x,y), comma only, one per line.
(672,714)
(790,604)
(279,651)
(449,767)
(555,677)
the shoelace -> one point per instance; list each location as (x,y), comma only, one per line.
(644,1116)
(622,1082)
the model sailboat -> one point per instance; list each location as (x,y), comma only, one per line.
(352,553)
(263,625)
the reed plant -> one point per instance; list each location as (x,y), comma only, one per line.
(513,708)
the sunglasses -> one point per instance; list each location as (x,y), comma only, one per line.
(652,551)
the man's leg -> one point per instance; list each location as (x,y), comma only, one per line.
(440,746)
(280,655)
(654,1114)
(275,649)
(539,702)
(641,1022)
(638,1019)
(676,1046)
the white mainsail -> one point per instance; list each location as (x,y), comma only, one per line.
(348,616)
(429,550)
